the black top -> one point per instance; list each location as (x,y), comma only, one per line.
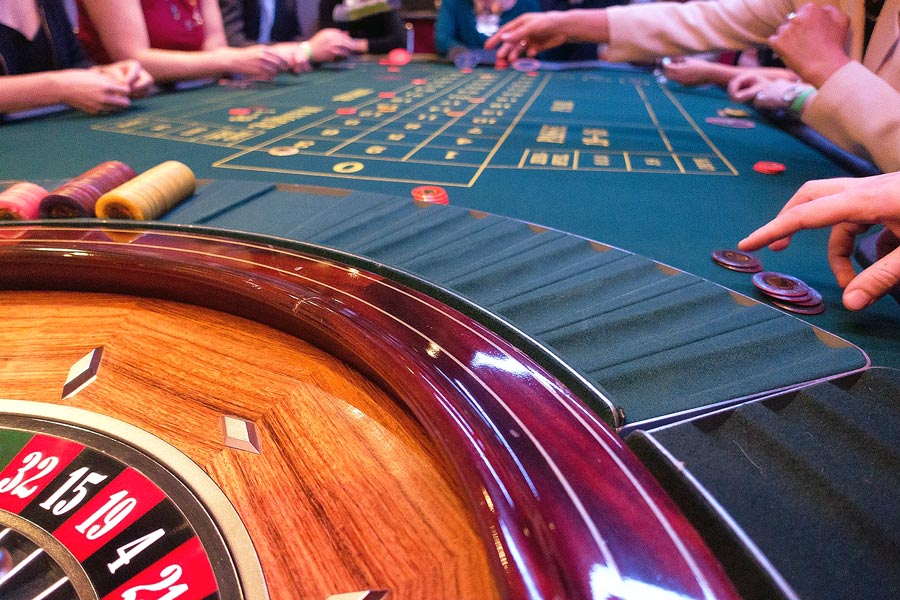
(873,10)
(54,47)
(241,20)
(383,30)
(573,51)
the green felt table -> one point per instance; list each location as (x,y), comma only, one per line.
(610,154)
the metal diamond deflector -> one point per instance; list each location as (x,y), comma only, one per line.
(240,434)
(82,373)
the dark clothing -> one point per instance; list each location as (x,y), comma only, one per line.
(54,47)
(241,19)
(457,29)
(574,50)
(384,30)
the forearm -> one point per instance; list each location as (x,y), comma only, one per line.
(213,26)
(23,92)
(866,123)
(585,25)
(174,65)
(644,31)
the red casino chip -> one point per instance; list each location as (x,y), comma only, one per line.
(430,194)
(398,57)
(768,167)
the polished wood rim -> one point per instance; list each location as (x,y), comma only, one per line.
(565,510)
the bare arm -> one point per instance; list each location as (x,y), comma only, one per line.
(88,90)
(213,26)
(123,32)
(531,33)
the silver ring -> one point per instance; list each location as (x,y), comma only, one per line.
(523,43)
(791,15)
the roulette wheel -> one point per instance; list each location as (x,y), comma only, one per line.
(196,414)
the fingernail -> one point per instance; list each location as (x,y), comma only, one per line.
(857,299)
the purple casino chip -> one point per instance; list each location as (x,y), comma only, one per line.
(737,261)
(526,65)
(800,309)
(780,285)
(731,122)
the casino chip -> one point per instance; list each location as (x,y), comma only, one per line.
(398,57)
(283,151)
(768,167)
(526,65)
(731,122)
(736,113)
(466,60)
(430,194)
(789,293)
(780,285)
(736,260)
(800,309)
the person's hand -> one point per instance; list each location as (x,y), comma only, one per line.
(130,73)
(255,62)
(773,95)
(528,34)
(695,71)
(294,54)
(360,46)
(331,44)
(812,41)
(850,207)
(749,83)
(91,91)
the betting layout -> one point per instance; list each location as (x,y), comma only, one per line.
(83,515)
(442,125)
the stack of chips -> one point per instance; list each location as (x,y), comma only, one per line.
(150,194)
(20,201)
(784,291)
(430,194)
(736,260)
(789,293)
(78,197)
